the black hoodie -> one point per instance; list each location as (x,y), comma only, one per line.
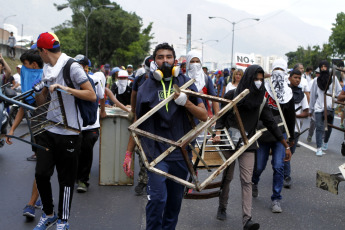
(249,107)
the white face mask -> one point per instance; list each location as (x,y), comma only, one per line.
(122,85)
(258,84)
(195,72)
(194,68)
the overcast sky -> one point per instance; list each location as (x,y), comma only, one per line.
(169,17)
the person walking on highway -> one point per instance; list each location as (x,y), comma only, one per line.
(171,121)
(64,145)
(323,84)
(252,108)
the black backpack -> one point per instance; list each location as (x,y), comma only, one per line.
(88,109)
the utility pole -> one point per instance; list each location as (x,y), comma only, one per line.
(189,33)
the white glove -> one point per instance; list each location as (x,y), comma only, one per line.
(181,100)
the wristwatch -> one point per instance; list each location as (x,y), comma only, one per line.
(288,147)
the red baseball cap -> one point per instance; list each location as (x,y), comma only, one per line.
(46,40)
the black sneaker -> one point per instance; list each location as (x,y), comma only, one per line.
(287,182)
(139,189)
(251,225)
(221,214)
(255,191)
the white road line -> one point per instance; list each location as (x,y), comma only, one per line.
(307,146)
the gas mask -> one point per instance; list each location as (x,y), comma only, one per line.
(166,71)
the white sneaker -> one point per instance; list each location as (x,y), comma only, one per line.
(324,146)
(319,152)
(276,207)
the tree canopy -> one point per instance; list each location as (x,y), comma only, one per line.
(337,39)
(115,36)
(311,56)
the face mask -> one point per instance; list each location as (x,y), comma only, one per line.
(258,84)
(122,82)
(193,69)
(166,70)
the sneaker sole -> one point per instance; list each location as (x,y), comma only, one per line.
(29,215)
(81,190)
(277,211)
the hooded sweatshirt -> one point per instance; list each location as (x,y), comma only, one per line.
(249,107)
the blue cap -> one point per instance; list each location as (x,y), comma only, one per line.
(114,70)
(34,46)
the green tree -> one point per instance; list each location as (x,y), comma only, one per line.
(115,36)
(337,38)
(311,56)
(71,43)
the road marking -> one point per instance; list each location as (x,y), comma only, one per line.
(307,146)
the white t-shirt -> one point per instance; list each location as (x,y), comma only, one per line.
(304,104)
(99,80)
(78,77)
(304,85)
(230,86)
(17,80)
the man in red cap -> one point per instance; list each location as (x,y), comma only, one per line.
(63,145)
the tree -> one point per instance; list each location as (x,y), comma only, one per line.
(337,38)
(115,36)
(71,43)
(311,56)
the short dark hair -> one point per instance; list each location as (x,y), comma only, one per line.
(32,56)
(296,72)
(163,46)
(297,65)
(309,69)
(54,50)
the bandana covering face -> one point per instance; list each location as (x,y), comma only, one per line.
(283,91)
(322,80)
(194,70)
(51,72)
(122,85)
(298,94)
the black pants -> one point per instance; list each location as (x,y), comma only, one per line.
(12,51)
(89,138)
(63,153)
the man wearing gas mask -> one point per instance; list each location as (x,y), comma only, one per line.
(171,122)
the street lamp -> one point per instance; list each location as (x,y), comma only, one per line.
(61,7)
(233,31)
(202,48)
(3,31)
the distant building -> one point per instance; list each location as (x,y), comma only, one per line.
(210,65)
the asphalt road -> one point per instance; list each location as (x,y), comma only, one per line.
(116,207)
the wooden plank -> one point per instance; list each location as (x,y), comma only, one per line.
(155,137)
(202,196)
(158,107)
(212,120)
(205,96)
(230,160)
(240,125)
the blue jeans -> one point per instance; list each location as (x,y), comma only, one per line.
(320,128)
(278,155)
(287,167)
(164,196)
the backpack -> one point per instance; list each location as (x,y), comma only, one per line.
(88,109)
